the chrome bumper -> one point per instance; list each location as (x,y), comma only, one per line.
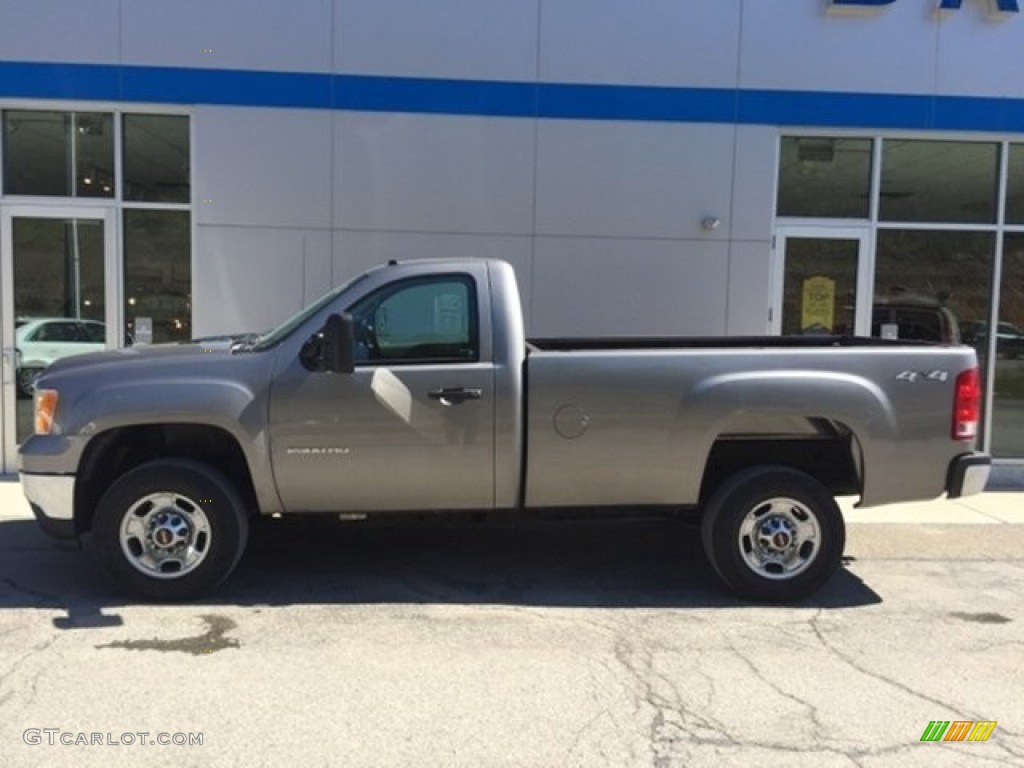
(53,494)
(52,498)
(968,474)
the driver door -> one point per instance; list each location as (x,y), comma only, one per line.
(413,427)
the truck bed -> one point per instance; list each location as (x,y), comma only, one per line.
(635,420)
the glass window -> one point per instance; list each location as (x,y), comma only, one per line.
(58,287)
(94,154)
(824,177)
(61,154)
(158,272)
(933,286)
(820,287)
(94,332)
(939,181)
(419,320)
(1015,186)
(1008,395)
(58,268)
(156,158)
(59,330)
(36,153)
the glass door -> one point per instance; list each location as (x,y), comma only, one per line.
(58,298)
(822,283)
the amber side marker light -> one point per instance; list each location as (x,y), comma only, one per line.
(45,408)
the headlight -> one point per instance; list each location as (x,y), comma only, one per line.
(45,402)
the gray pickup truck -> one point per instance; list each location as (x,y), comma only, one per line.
(414,388)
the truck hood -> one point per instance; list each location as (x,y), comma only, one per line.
(139,359)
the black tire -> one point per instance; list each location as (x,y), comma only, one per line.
(193,507)
(780,507)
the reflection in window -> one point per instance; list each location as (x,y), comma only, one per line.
(1008,398)
(58,268)
(942,276)
(824,177)
(158,273)
(58,294)
(156,158)
(939,181)
(39,147)
(36,153)
(94,154)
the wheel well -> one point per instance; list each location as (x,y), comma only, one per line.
(833,460)
(110,454)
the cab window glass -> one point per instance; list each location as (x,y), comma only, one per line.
(57,332)
(94,332)
(420,320)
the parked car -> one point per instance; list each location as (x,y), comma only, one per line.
(1009,339)
(413,389)
(41,341)
(920,318)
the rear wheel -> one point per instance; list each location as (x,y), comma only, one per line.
(170,530)
(773,534)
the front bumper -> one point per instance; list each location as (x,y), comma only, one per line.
(52,498)
(968,474)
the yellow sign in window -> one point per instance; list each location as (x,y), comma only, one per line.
(818,305)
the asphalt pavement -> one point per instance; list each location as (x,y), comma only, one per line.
(596,643)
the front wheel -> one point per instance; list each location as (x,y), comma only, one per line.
(170,530)
(773,534)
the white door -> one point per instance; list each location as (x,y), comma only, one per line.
(822,282)
(59,296)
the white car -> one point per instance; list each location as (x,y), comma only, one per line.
(43,340)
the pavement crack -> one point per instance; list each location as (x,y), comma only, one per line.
(950,709)
(819,727)
(21,660)
(672,720)
(882,678)
(584,729)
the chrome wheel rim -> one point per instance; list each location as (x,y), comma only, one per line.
(165,535)
(779,538)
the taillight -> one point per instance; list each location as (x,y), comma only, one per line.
(967,405)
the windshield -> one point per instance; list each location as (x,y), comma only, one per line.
(285,329)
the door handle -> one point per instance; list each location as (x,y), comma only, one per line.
(449,396)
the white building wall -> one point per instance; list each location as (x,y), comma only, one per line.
(694,43)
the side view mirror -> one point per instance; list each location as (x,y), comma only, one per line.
(332,348)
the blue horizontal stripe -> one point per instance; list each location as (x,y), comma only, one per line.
(225,86)
(625,102)
(59,81)
(836,110)
(180,85)
(447,97)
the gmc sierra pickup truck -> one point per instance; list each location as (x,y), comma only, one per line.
(414,388)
